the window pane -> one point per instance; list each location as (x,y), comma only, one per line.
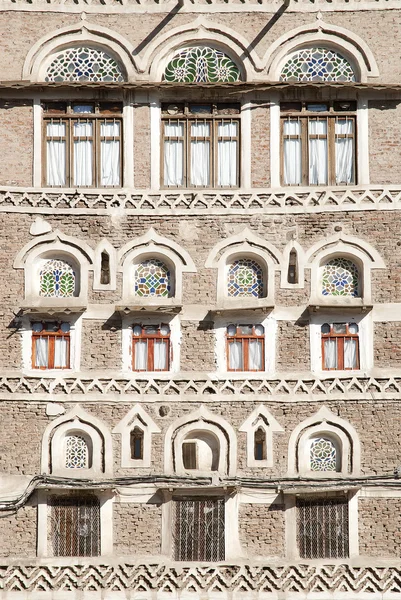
(200,154)
(227,155)
(110,154)
(56,167)
(141,356)
(83,152)
(318,166)
(41,352)
(235,359)
(173,163)
(292,153)
(61,353)
(255,358)
(160,355)
(344,151)
(330,354)
(350,354)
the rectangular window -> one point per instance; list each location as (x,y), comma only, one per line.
(50,345)
(82,144)
(150,347)
(322,528)
(75,525)
(340,346)
(200,145)
(318,143)
(245,348)
(199,529)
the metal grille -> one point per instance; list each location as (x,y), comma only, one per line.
(75,526)
(322,528)
(199,529)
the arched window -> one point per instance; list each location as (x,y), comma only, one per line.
(152,278)
(340,277)
(136,443)
(201,451)
(84,64)
(201,64)
(260,444)
(57,279)
(324,454)
(245,279)
(317,64)
(77,452)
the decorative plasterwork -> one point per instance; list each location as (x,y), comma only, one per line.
(320,33)
(324,420)
(200,420)
(293,245)
(44,50)
(137,417)
(260,417)
(105,246)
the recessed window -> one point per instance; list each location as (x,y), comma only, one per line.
(150,347)
(136,443)
(189,455)
(318,143)
(324,455)
(245,347)
(83,145)
(50,345)
(260,452)
(152,277)
(322,528)
(75,525)
(77,451)
(245,279)
(340,346)
(340,277)
(200,146)
(57,279)
(199,529)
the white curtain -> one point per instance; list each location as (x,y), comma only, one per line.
(235,356)
(60,353)
(83,150)
(174,155)
(141,356)
(110,154)
(255,355)
(292,153)
(344,151)
(330,354)
(318,167)
(200,154)
(56,174)
(227,155)
(350,354)
(160,355)
(41,352)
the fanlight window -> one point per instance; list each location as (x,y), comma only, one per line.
(152,278)
(84,64)
(57,279)
(201,64)
(323,455)
(340,278)
(245,279)
(76,452)
(317,64)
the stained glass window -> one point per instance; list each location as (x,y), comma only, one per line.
(84,64)
(201,64)
(57,279)
(340,278)
(152,278)
(317,64)
(245,278)
(323,455)
(76,452)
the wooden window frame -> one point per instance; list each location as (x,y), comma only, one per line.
(150,339)
(244,338)
(214,119)
(340,337)
(305,116)
(62,112)
(52,336)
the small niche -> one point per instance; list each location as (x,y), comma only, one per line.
(292,275)
(105,268)
(260,444)
(136,439)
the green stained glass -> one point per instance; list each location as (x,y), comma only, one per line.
(57,279)
(340,278)
(323,455)
(201,64)
(245,278)
(317,64)
(84,64)
(152,278)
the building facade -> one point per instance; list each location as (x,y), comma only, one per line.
(201,307)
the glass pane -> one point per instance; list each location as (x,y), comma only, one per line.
(255,358)
(330,354)
(235,358)
(292,153)
(350,354)
(259,329)
(340,328)
(325,328)
(60,353)
(173,163)
(56,154)
(141,356)
(41,352)
(160,355)
(231,330)
(246,329)
(83,154)
(318,160)
(353,328)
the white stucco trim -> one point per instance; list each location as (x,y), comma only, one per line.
(293,245)
(37,141)
(362,141)
(260,417)
(136,417)
(275,158)
(128,141)
(105,246)
(155,124)
(246,145)
(338,438)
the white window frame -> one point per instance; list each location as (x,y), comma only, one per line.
(136,417)
(260,418)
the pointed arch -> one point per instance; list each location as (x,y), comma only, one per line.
(324,422)
(260,418)
(291,246)
(104,246)
(45,49)
(348,43)
(138,418)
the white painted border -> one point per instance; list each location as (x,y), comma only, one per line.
(155,141)
(275,159)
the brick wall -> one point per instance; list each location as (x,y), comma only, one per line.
(380,527)
(262,530)
(137,529)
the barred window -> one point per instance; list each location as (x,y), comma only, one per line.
(82,144)
(150,347)
(322,528)
(199,529)
(318,143)
(75,525)
(245,347)
(50,345)
(200,145)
